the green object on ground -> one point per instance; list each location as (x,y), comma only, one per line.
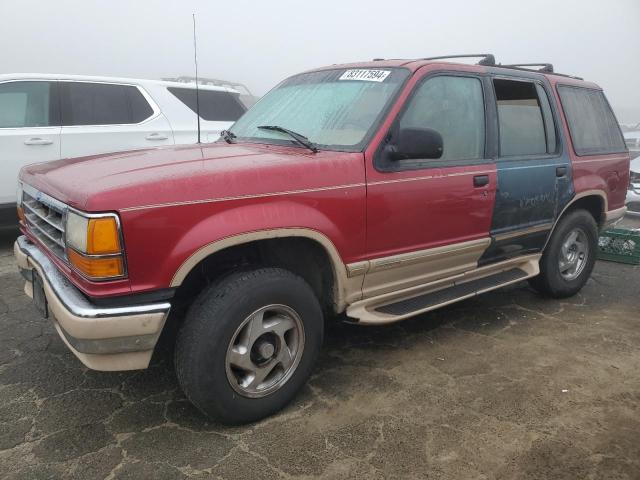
(620,245)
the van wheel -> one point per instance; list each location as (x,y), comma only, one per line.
(570,255)
(248,344)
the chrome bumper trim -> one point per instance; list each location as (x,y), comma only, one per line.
(119,338)
(70,296)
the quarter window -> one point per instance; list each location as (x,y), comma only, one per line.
(25,104)
(524,117)
(87,103)
(215,105)
(454,107)
(594,129)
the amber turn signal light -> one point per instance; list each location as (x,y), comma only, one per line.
(20,214)
(102,236)
(97,267)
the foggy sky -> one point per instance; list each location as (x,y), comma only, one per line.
(260,43)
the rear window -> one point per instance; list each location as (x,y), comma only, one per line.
(214,105)
(594,129)
(85,103)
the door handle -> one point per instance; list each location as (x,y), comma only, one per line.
(561,171)
(38,141)
(156,136)
(480,180)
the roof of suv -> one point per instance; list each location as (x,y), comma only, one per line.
(415,64)
(123,80)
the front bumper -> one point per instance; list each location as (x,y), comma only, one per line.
(119,338)
(633,201)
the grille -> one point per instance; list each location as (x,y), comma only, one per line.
(45,218)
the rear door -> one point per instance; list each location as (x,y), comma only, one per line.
(105,117)
(429,219)
(534,170)
(29,130)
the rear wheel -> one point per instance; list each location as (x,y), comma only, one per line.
(248,344)
(569,257)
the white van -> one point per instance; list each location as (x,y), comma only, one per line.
(46,117)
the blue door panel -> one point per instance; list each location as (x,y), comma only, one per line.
(529,198)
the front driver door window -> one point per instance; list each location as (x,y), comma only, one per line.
(454,107)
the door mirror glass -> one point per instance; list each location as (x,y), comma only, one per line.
(417,143)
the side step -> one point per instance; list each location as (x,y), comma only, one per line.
(447,295)
(398,305)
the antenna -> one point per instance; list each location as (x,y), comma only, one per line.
(195,61)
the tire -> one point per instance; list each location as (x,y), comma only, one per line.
(561,284)
(221,344)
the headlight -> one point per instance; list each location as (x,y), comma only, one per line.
(19,203)
(76,231)
(94,246)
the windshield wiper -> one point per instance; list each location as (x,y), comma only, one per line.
(227,136)
(299,138)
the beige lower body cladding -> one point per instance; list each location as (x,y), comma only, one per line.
(119,338)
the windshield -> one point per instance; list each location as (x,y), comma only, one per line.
(334,109)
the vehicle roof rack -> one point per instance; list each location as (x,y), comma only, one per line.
(546,67)
(488,59)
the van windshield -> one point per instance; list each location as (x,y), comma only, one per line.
(335,109)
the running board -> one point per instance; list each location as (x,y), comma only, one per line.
(400,305)
(450,294)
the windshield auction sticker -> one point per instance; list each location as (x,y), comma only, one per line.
(366,75)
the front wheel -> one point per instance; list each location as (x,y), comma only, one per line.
(569,257)
(248,344)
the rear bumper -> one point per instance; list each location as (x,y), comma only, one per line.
(613,216)
(633,202)
(119,338)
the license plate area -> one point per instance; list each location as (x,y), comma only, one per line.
(39,298)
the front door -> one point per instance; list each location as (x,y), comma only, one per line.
(534,177)
(430,218)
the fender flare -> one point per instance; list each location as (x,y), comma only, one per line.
(587,193)
(345,287)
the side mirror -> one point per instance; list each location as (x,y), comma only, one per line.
(417,143)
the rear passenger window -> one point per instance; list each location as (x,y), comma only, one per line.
(214,105)
(454,107)
(26,104)
(525,121)
(102,104)
(594,129)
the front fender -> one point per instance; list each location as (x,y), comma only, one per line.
(164,244)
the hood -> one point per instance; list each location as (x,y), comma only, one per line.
(179,174)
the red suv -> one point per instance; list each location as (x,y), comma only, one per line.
(383,190)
